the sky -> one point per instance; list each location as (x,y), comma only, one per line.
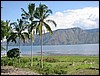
(67,14)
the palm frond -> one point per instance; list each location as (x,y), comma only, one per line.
(22,37)
(12,37)
(24,11)
(45,16)
(37,14)
(14,24)
(48,28)
(32,26)
(26,35)
(37,29)
(31,8)
(52,21)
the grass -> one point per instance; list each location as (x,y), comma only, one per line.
(59,65)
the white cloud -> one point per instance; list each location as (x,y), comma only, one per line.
(85,18)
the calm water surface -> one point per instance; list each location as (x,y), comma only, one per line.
(81,49)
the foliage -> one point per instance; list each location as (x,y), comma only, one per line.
(19,30)
(3,28)
(57,65)
(49,59)
(13,53)
(60,67)
(29,16)
(41,14)
(3,61)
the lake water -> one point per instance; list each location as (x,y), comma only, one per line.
(81,49)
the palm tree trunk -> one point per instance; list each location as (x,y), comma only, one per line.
(6,51)
(6,48)
(19,50)
(31,50)
(41,62)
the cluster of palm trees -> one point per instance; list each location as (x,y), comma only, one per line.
(33,21)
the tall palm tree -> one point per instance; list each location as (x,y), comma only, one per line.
(19,32)
(30,17)
(41,14)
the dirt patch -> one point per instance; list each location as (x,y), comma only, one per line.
(9,70)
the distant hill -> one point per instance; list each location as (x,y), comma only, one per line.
(93,30)
(66,37)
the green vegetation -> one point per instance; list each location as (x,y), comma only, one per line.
(19,32)
(5,32)
(58,65)
(32,20)
(47,65)
(41,13)
(30,16)
(13,53)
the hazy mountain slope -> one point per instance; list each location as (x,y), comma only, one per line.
(66,36)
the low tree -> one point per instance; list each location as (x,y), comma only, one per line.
(13,53)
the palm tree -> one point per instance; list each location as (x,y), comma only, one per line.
(3,28)
(41,14)
(30,17)
(8,32)
(3,32)
(18,31)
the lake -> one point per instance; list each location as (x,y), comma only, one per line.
(80,49)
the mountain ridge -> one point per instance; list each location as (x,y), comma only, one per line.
(68,36)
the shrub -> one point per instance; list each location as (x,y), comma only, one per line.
(47,69)
(13,53)
(10,62)
(60,71)
(24,60)
(50,59)
(35,59)
(4,61)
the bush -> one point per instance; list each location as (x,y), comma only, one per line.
(50,59)
(25,60)
(10,62)
(59,71)
(4,61)
(46,70)
(35,59)
(13,53)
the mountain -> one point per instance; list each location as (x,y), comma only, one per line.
(93,30)
(66,37)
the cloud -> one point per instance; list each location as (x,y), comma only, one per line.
(85,18)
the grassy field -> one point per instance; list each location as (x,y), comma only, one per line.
(58,65)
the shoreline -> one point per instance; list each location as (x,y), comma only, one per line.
(60,55)
(3,54)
